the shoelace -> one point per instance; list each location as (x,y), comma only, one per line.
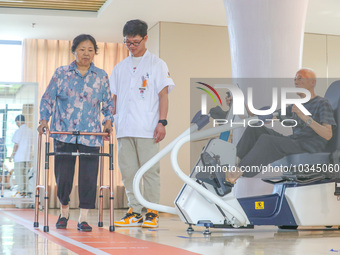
(150,216)
(62,219)
(85,225)
(128,215)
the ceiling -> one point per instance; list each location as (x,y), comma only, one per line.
(323,17)
(76,5)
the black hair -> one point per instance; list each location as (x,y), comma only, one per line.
(135,27)
(82,38)
(20,118)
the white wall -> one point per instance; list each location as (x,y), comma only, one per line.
(190,51)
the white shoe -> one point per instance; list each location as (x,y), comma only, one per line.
(151,219)
(130,219)
(19,195)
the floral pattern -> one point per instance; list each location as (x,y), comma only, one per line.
(74,102)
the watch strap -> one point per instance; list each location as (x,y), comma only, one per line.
(163,122)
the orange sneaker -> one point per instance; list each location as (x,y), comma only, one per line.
(130,219)
(151,219)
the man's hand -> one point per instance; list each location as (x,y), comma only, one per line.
(324,130)
(43,126)
(108,129)
(159,133)
(217,113)
(299,113)
(15,149)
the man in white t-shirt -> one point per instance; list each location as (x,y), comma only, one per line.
(21,154)
(140,85)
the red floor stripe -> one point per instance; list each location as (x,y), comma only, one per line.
(113,242)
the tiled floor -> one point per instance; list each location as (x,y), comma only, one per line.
(17,239)
(17,236)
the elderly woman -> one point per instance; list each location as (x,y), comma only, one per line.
(73,99)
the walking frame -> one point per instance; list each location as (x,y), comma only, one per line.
(46,177)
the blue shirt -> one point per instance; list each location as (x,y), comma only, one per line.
(74,101)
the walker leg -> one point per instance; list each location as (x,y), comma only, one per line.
(100,220)
(101,175)
(36,209)
(112,228)
(37,189)
(46,228)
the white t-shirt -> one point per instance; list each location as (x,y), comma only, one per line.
(137,105)
(23,138)
(135,62)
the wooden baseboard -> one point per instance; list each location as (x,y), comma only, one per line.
(7,206)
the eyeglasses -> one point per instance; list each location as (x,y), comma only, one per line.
(127,43)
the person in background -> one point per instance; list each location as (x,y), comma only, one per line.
(75,96)
(21,154)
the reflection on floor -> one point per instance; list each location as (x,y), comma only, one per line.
(10,197)
(17,236)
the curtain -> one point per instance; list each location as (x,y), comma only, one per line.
(40,59)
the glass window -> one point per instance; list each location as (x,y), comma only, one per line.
(10,70)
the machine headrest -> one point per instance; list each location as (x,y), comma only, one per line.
(333,96)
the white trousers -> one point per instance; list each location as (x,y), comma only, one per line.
(20,171)
(133,152)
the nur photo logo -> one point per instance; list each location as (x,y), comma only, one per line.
(242,105)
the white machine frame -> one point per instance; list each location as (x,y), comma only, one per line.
(197,203)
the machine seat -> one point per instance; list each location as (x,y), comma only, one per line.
(299,178)
(303,159)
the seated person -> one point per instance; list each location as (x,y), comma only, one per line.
(260,146)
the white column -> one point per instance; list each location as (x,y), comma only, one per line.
(266,41)
(266,37)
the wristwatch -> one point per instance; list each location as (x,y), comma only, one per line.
(163,122)
(309,121)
